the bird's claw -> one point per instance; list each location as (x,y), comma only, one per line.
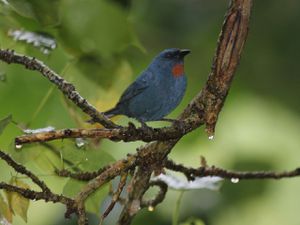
(145,127)
(176,123)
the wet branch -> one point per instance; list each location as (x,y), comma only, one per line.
(163,188)
(115,197)
(21,169)
(204,109)
(46,194)
(206,106)
(126,134)
(68,89)
(205,171)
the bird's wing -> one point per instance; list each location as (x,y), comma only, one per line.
(137,87)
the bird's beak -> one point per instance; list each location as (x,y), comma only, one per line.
(184,52)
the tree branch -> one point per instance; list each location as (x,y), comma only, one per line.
(205,171)
(127,134)
(115,197)
(21,169)
(163,188)
(207,105)
(67,88)
(203,109)
(46,194)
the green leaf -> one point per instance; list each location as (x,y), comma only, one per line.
(17,203)
(95,159)
(22,7)
(87,160)
(102,27)
(4,122)
(193,221)
(103,71)
(93,203)
(5,211)
(45,12)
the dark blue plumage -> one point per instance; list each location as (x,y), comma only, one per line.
(157,91)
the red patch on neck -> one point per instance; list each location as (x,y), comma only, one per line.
(178,70)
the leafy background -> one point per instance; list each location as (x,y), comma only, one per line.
(102,46)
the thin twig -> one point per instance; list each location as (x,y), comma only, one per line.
(115,197)
(67,88)
(163,188)
(35,195)
(191,173)
(83,176)
(21,169)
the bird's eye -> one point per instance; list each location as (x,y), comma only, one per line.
(171,55)
(168,55)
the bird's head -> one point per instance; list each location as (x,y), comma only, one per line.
(172,59)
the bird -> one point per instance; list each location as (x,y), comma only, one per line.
(157,91)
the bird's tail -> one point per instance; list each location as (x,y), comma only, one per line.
(112,112)
(109,113)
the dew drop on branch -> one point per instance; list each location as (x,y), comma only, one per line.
(18,146)
(234,180)
(2,76)
(211,137)
(150,208)
(80,142)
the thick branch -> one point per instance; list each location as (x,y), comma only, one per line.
(205,107)
(67,88)
(210,100)
(127,134)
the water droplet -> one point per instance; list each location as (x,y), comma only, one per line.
(150,208)
(211,137)
(80,142)
(18,146)
(2,77)
(235,180)
(45,51)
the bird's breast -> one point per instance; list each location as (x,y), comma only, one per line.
(178,70)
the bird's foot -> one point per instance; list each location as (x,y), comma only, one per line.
(145,127)
(176,123)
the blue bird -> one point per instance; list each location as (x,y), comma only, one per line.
(157,91)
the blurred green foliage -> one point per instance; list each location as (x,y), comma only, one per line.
(103,45)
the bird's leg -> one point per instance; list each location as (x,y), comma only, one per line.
(145,126)
(177,123)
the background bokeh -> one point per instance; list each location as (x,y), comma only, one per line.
(103,45)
